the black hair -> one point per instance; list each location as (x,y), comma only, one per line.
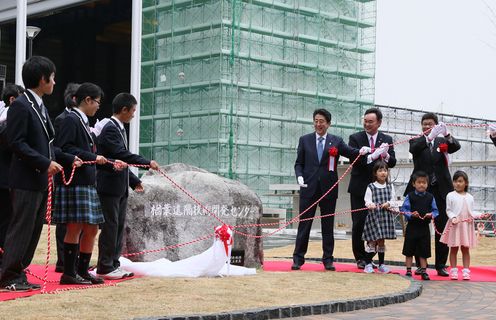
(419,174)
(123,100)
(35,69)
(379,165)
(70,93)
(323,112)
(430,115)
(88,89)
(11,90)
(461,174)
(377,112)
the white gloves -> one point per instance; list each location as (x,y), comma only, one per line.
(376,154)
(385,149)
(382,150)
(301,182)
(99,126)
(492,130)
(444,130)
(437,130)
(364,150)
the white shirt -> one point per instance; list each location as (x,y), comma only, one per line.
(372,136)
(3,111)
(38,99)
(368,194)
(83,115)
(121,125)
(317,140)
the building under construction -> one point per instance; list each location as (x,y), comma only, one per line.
(230,85)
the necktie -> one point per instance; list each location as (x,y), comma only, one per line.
(430,145)
(320,148)
(92,142)
(43,112)
(124,136)
(372,144)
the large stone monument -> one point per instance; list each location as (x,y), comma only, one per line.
(163,215)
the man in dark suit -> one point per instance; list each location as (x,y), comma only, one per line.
(315,167)
(492,132)
(9,93)
(60,229)
(361,174)
(430,154)
(112,186)
(30,135)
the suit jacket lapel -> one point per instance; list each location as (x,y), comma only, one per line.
(379,140)
(49,131)
(328,145)
(120,132)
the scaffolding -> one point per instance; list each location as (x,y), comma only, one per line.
(230,85)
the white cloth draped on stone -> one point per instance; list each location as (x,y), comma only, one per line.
(212,262)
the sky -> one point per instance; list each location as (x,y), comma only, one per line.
(437,55)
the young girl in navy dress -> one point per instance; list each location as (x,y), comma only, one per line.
(379,223)
(460,229)
(77,205)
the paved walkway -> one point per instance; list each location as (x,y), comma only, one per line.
(439,300)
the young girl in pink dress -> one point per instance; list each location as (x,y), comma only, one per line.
(460,229)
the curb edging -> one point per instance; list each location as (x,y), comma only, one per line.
(413,291)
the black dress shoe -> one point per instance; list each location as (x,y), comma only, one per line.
(33,286)
(329,266)
(442,272)
(425,276)
(361,264)
(408,274)
(93,279)
(67,279)
(418,271)
(295,266)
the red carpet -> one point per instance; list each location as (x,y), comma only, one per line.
(50,287)
(482,274)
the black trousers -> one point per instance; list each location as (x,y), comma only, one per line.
(112,232)
(326,206)
(5,214)
(358,220)
(442,250)
(23,234)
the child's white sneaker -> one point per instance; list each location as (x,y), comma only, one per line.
(383,269)
(369,268)
(466,274)
(454,273)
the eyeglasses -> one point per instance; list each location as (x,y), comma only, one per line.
(99,102)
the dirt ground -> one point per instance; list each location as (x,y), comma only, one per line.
(146,297)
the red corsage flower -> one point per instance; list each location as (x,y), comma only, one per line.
(443,147)
(333,152)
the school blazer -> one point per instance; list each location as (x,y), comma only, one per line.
(317,174)
(111,144)
(31,141)
(361,174)
(73,138)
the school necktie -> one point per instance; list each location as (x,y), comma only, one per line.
(372,144)
(92,142)
(320,148)
(44,112)
(124,136)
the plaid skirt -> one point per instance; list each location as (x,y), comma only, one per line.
(77,204)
